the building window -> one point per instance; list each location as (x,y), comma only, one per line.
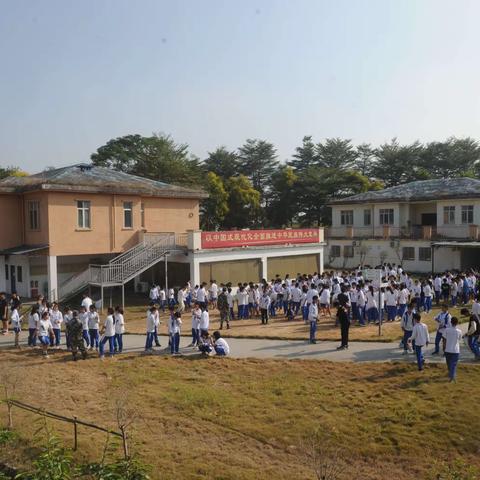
(34,214)
(348,251)
(346,217)
(425,254)
(142,215)
(19,274)
(367,217)
(467,213)
(449,215)
(335,251)
(386,216)
(408,253)
(127,214)
(83,211)
(6,272)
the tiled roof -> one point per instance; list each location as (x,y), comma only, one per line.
(422,190)
(88,178)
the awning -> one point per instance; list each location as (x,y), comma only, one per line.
(23,249)
(457,244)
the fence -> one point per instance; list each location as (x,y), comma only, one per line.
(74,421)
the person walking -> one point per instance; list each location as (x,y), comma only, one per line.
(119,329)
(174,326)
(406,324)
(108,334)
(313,318)
(420,338)
(452,336)
(151,319)
(443,320)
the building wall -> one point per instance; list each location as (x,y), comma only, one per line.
(171,215)
(11,215)
(40,236)
(458,210)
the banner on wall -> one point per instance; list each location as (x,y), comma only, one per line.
(250,238)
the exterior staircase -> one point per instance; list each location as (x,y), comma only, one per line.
(126,266)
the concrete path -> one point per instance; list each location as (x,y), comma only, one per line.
(283,349)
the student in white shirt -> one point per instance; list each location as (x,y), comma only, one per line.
(151,320)
(452,336)
(56,318)
(181,299)
(16,321)
(325,302)
(313,318)
(162,298)
(222,349)
(196,316)
(406,324)
(264,306)
(174,325)
(119,329)
(371,305)
(202,296)
(83,317)
(93,327)
(391,303)
(420,338)
(204,321)
(33,320)
(242,300)
(86,302)
(171,297)
(213,293)
(108,334)
(443,320)
(44,332)
(428,296)
(296,297)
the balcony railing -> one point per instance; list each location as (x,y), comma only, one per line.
(415,232)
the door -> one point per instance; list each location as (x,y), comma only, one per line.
(429,219)
(13,279)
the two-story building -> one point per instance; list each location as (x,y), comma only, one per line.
(430,225)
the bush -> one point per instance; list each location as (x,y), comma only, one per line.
(130,469)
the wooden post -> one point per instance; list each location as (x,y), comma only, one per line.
(75,434)
(10,418)
(124,441)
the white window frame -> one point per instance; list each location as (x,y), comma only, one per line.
(84,217)
(34,214)
(386,216)
(127,208)
(449,215)
(346,218)
(467,214)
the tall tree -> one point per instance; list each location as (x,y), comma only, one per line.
(365,160)
(243,203)
(336,153)
(11,172)
(223,163)
(305,156)
(259,162)
(214,208)
(157,157)
(282,208)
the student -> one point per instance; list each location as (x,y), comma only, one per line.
(33,320)
(86,302)
(205,344)
(473,332)
(406,324)
(443,321)
(151,319)
(108,334)
(371,305)
(242,300)
(445,291)
(391,304)
(119,329)
(202,296)
(213,293)
(162,298)
(93,327)
(196,316)
(264,306)
(56,318)
(452,336)
(221,347)
(4,313)
(204,320)
(174,325)
(296,298)
(44,332)
(428,295)
(421,337)
(230,303)
(181,299)
(325,302)
(171,297)
(313,318)
(16,321)
(83,316)
(67,317)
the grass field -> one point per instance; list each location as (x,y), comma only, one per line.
(280,328)
(248,419)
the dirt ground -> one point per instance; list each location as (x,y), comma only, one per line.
(251,419)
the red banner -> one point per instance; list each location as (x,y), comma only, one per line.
(250,238)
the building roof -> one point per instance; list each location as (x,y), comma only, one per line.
(23,249)
(422,190)
(84,177)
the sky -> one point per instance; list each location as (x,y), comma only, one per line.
(76,73)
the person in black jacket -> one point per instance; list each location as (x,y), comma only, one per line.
(343,317)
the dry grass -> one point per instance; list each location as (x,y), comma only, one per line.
(247,419)
(280,328)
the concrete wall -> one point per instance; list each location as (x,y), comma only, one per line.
(11,215)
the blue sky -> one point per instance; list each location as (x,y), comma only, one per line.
(75,74)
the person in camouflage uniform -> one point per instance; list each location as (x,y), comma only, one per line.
(222,305)
(75,336)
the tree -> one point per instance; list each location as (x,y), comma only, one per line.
(11,172)
(336,153)
(282,207)
(243,203)
(304,156)
(365,159)
(223,163)
(259,162)
(214,209)
(157,157)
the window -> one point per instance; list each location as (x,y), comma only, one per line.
(34,214)
(467,213)
(19,274)
(6,272)
(142,215)
(425,254)
(386,216)
(83,211)
(346,217)
(408,253)
(127,215)
(367,217)
(348,251)
(448,215)
(335,251)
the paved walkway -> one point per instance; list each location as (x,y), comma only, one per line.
(284,349)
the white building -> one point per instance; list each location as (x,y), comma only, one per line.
(430,225)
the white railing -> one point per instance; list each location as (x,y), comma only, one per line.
(74,284)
